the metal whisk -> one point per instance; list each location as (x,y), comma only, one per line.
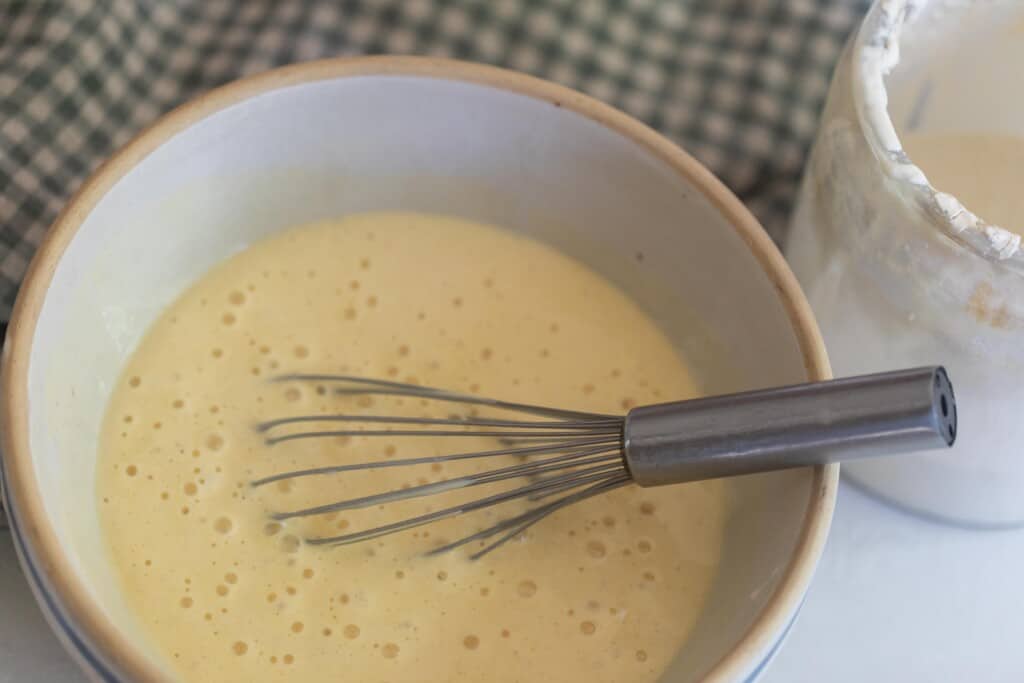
(568,456)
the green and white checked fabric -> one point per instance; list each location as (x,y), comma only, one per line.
(738,83)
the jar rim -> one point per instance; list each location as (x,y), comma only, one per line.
(875,53)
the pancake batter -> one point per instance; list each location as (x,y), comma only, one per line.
(606,590)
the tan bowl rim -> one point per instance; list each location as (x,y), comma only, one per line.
(39,534)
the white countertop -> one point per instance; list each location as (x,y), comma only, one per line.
(896,598)
(29,652)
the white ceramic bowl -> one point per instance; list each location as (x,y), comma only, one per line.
(329,138)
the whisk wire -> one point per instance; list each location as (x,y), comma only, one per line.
(446,485)
(609,423)
(524,521)
(595,474)
(433,432)
(364,386)
(572,455)
(437,459)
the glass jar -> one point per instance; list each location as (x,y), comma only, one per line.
(900,273)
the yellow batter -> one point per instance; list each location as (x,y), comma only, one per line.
(606,590)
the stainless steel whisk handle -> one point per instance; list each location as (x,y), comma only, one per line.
(806,424)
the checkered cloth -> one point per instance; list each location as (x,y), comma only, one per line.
(738,83)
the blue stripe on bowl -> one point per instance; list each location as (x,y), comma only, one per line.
(770,655)
(49,603)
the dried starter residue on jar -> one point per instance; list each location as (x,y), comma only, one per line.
(875,60)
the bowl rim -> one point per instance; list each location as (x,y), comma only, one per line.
(39,536)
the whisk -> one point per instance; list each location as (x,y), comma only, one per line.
(568,456)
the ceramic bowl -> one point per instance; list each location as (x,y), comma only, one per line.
(325,139)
